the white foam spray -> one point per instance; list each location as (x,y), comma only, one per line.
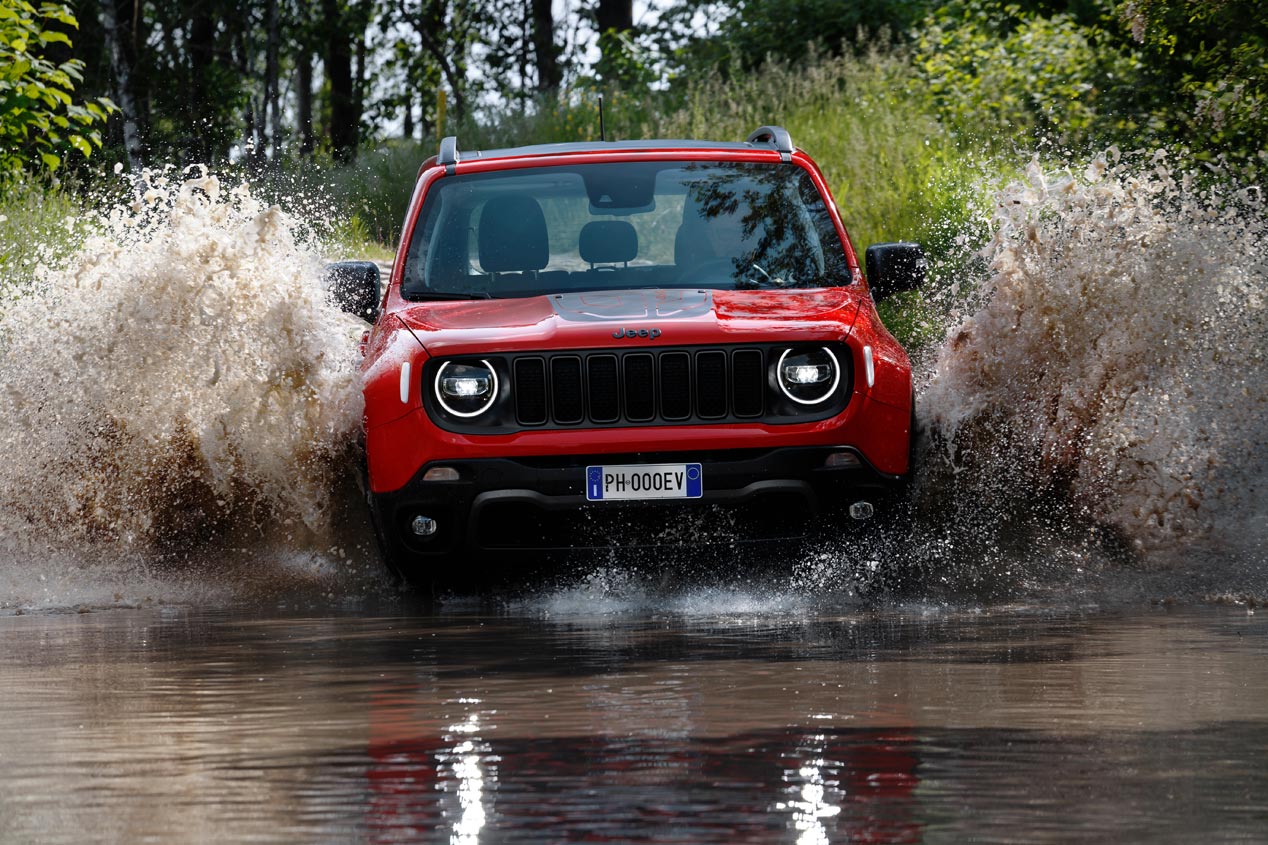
(180,377)
(1114,367)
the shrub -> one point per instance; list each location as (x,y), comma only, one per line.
(39,121)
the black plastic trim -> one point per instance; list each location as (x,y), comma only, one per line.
(511,415)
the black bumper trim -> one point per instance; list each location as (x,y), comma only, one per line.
(554,487)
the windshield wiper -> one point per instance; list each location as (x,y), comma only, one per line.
(780,283)
(442,295)
(749,283)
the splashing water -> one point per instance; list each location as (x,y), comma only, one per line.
(180,389)
(180,376)
(1115,367)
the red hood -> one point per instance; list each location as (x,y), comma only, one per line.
(591,320)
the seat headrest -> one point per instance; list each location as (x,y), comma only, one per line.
(608,242)
(513,235)
(691,244)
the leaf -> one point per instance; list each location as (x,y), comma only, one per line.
(82,145)
(51,160)
(59,12)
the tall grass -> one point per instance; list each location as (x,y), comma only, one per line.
(897,173)
(39,224)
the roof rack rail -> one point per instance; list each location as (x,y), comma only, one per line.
(449,155)
(776,136)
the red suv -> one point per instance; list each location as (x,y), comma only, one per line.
(580,338)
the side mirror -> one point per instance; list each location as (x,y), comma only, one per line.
(354,287)
(894,267)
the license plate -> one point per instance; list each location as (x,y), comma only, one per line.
(644,481)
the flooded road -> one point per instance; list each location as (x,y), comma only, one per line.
(713,718)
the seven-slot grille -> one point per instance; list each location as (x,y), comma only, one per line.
(605,388)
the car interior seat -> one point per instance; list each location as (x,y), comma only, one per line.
(607,243)
(513,242)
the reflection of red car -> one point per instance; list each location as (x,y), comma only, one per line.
(576,330)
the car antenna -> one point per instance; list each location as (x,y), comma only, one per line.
(602,134)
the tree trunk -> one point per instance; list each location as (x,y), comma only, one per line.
(343,122)
(615,14)
(124,95)
(545,50)
(272,97)
(359,82)
(304,101)
(202,34)
(448,49)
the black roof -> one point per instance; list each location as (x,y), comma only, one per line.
(764,137)
(603,146)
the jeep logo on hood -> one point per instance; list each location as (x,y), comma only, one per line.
(633,333)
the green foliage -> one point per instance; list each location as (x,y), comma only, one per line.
(1209,63)
(39,224)
(1001,74)
(624,62)
(377,187)
(750,32)
(1191,75)
(40,123)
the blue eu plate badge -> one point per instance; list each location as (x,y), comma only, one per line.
(644,481)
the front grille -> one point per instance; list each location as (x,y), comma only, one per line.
(606,388)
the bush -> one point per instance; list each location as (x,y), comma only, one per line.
(39,121)
(1003,76)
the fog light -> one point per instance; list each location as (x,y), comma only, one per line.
(441,474)
(862,510)
(425,526)
(843,460)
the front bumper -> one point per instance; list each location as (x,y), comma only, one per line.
(500,506)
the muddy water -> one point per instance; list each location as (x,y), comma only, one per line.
(714,718)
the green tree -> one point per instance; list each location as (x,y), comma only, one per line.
(1211,59)
(39,118)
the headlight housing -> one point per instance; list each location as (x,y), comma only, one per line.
(466,389)
(808,376)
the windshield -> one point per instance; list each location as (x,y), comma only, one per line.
(616,226)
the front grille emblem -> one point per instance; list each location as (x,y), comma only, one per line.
(636,333)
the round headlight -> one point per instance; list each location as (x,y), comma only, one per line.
(466,390)
(808,376)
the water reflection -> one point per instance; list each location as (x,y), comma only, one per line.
(145,727)
(465,763)
(809,808)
